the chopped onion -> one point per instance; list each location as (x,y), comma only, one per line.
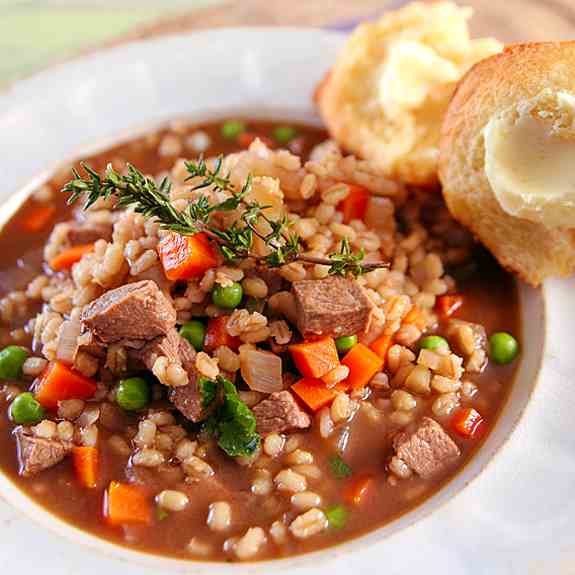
(261,370)
(68,341)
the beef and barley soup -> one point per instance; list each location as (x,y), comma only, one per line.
(260,350)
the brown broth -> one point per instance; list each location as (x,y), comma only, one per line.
(490,299)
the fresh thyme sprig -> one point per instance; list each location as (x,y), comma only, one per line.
(234,241)
(135,189)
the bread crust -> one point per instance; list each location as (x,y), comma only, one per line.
(519,73)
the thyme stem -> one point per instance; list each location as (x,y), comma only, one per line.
(141,192)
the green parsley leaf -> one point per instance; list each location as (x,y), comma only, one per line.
(208,390)
(336,516)
(236,441)
(237,424)
(210,425)
(233,422)
(339,468)
(228,387)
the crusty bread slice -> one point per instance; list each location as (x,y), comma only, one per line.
(519,73)
(370,111)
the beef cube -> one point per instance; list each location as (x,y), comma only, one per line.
(428,450)
(187,399)
(173,346)
(36,454)
(187,355)
(88,232)
(90,345)
(279,413)
(165,345)
(129,314)
(334,306)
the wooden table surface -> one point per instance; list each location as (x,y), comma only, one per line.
(39,33)
(509,20)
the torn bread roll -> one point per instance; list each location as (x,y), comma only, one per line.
(386,95)
(507,157)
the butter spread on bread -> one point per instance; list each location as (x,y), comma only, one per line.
(410,71)
(530,159)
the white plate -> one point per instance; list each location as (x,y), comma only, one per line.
(516,516)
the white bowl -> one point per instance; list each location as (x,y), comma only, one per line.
(88,103)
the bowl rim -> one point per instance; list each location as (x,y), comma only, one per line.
(34,510)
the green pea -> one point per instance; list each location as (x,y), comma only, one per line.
(232,129)
(195,332)
(503,348)
(11,360)
(336,516)
(25,409)
(433,342)
(133,394)
(284,134)
(228,297)
(345,343)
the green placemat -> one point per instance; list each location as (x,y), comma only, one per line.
(34,34)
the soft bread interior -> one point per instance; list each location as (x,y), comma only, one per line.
(388,91)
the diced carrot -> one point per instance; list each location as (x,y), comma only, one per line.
(315,358)
(86,464)
(126,504)
(354,206)
(359,489)
(58,382)
(315,393)
(363,365)
(381,346)
(245,139)
(38,218)
(217,335)
(467,422)
(415,316)
(447,305)
(186,257)
(66,259)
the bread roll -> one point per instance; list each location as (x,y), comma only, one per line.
(386,95)
(524,85)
